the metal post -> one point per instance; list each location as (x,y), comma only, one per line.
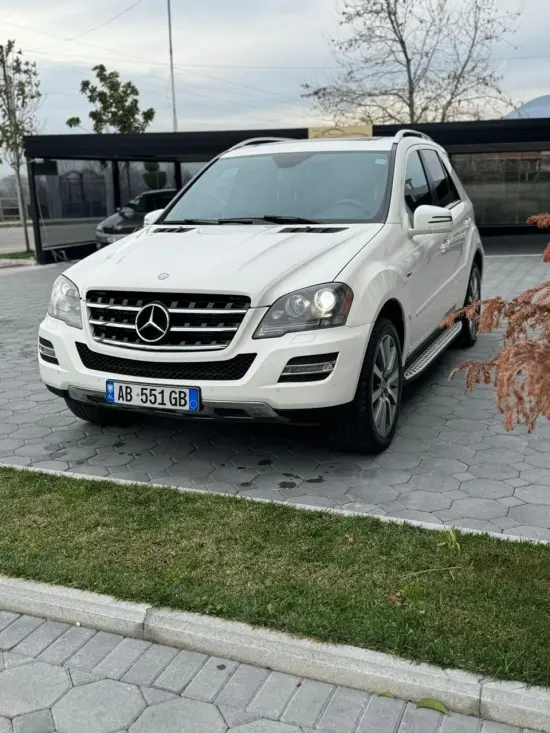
(172,82)
(40,255)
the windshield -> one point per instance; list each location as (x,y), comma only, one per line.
(346,186)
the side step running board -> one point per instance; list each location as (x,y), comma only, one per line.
(432,352)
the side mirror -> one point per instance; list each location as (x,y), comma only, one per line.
(152,217)
(432,220)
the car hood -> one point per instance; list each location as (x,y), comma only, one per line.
(263,262)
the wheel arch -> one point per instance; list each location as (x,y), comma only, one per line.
(393,310)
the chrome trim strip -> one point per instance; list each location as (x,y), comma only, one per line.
(106,306)
(128,326)
(46,350)
(202,329)
(198,311)
(144,347)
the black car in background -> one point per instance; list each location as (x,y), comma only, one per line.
(130,217)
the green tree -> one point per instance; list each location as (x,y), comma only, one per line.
(115,104)
(19,100)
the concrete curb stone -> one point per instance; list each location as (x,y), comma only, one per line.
(511,703)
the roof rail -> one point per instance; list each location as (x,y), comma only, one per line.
(411,133)
(259,141)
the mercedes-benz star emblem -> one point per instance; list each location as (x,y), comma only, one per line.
(152,323)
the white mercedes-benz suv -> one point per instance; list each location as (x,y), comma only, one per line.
(291,280)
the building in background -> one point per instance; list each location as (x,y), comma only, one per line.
(75,181)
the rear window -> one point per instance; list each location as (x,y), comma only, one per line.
(325,186)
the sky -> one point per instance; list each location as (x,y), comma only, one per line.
(239,63)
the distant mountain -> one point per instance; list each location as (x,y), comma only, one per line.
(539,107)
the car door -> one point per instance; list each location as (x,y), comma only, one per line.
(422,255)
(452,256)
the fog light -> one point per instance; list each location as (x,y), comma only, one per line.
(324,367)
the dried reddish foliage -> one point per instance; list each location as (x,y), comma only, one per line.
(520,371)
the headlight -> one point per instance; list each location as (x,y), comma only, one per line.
(318,307)
(99,229)
(65,302)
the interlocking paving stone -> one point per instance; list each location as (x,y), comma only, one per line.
(242,686)
(180,671)
(67,645)
(383,715)
(11,659)
(211,679)
(94,651)
(31,687)
(17,631)
(5,726)
(459,724)
(39,722)
(180,716)
(7,618)
(416,720)
(122,657)
(343,711)
(307,703)
(40,639)
(272,697)
(150,665)
(100,707)
(265,726)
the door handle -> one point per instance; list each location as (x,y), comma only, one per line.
(445,245)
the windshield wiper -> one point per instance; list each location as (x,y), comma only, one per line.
(271,218)
(283,219)
(190,221)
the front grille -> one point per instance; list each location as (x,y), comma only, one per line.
(228,370)
(197,322)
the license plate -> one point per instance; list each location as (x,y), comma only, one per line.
(184,399)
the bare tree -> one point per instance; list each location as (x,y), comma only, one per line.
(19,99)
(411,61)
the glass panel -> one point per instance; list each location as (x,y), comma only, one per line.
(417,191)
(505,188)
(188,170)
(74,196)
(321,186)
(444,188)
(136,178)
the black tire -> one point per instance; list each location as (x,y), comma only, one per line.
(356,428)
(99,415)
(468,336)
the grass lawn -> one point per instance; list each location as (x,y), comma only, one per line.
(482,606)
(17,256)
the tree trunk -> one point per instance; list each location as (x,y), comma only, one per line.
(21,206)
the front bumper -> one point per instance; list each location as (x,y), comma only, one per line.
(259,393)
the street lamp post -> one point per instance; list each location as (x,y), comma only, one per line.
(172,81)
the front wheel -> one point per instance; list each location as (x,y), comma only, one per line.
(368,424)
(468,335)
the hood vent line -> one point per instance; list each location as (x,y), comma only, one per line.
(173,230)
(312,230)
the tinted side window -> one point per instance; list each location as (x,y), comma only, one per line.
(444,189)
(417,191)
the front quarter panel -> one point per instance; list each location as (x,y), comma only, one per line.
(375,280)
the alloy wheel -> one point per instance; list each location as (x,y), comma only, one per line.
(385,385)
